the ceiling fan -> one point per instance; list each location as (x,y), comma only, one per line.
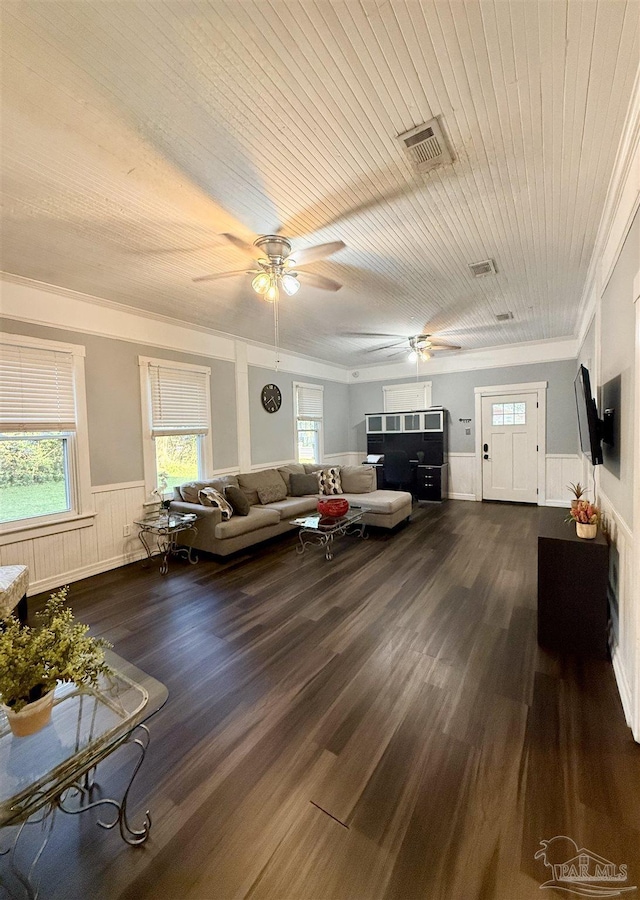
(276,265)
(418,346)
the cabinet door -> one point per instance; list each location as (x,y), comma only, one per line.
(411,422)
(432,420)
(374,424)
(393,424)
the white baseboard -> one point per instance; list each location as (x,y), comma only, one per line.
(105,565)
(563,504)
(454,496)
(623,688)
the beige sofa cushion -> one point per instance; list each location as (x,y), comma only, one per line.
(358,479)
(295,506)
(250,483)
(189,492)
(380,501)
(290,469)
(259,517)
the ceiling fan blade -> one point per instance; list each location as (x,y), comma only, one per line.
(237,242)
(217,275)
(319,281)
(368,334)
(311,254)
(439,345)
(385,347)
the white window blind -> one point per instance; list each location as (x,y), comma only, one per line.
(403,397)
(308,402)
(36,389)
(179,399)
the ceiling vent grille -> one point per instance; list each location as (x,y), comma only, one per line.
(425,146)
(504,317)
(485,267)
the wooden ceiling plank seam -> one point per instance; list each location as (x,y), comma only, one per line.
(585,183)
(618,88)
(559,16)
(584,62)
(470,235)
(545,42)
(499,65)
(518,101)
(489,150)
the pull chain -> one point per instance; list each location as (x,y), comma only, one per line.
(276,334)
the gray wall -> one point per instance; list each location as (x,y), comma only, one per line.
(113,401)
(617,366)
(455,392)
(272,434)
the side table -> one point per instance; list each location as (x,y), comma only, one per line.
(165,528)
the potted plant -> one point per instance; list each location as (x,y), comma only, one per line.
(586,516)
(578,492)
(33,660)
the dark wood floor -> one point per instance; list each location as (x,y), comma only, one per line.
(381,726)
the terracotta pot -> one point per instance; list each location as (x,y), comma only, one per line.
(31,717)
(333,506)
(586,531)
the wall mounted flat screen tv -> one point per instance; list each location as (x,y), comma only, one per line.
(588,421)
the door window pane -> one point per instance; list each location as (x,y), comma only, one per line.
(177,459)
(508,414)
(34,477)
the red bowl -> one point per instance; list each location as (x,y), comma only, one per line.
(333,506)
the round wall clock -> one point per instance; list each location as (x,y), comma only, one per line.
(271,398)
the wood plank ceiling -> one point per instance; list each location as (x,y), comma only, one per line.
(135,133)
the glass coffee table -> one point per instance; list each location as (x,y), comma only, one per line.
(320,531)
(54,769)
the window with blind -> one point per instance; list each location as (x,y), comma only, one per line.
(42,410)
(176,406)
(405,397)
(309,403)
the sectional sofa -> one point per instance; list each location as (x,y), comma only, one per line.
(268,519)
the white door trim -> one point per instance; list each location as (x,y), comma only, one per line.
(493,390)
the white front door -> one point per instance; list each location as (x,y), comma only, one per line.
(509,448)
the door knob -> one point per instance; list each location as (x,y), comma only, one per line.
(486,456)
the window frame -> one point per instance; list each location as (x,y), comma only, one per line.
(297,419)
(82,510)
(204,441)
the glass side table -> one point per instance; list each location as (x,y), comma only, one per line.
(54,769)
(163,529)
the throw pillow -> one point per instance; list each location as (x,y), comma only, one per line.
(211,497)
(272,492)
(330,481)
(300,485)
(358,479)
(237,499)
(251,482)
(287,471)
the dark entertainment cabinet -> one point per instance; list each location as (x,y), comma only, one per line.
(573,612)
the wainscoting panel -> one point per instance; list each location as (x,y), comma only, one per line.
(57,559)
(562,469)
(461,476)
(624,627)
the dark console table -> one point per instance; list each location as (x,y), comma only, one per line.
(573,612)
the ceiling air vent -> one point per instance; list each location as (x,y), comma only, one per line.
(504,317)
(425,146)
(485,267)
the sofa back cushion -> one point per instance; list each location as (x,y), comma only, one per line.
(211,497)
(301,485)
(238,500)
(189,491)
(330,482)
(287,471)
(358,479)
(255,481)
(313,467)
